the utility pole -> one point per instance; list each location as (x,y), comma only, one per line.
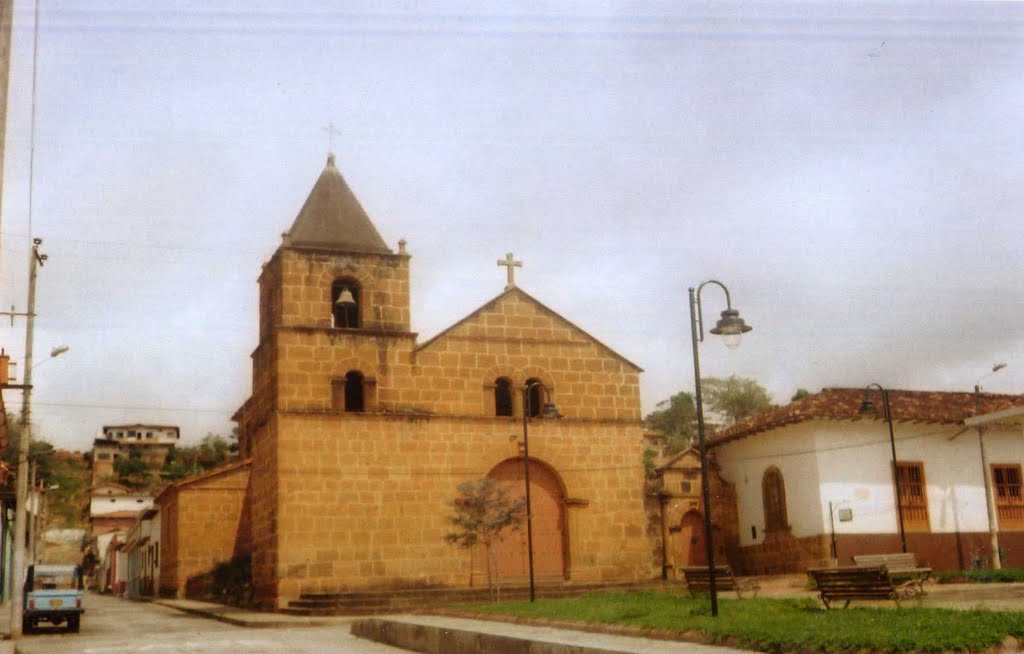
(18,569)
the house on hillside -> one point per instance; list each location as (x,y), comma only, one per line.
(814,480)
(153,443)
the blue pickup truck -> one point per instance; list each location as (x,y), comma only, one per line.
(53,593)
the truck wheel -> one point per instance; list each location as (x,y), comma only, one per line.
(73,624)
(26,626)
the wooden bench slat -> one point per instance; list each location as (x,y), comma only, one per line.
(698,580)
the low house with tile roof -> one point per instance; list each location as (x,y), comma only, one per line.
(814,482)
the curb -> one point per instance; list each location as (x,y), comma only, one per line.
(239,619)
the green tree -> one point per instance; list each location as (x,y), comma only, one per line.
(483,510)
(212,452)
(132,470)
(800,394)
(676,418)
(735,398)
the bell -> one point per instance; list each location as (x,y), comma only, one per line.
(345,297)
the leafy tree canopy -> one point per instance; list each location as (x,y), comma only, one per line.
(676,418)
(735,398)
(800,394)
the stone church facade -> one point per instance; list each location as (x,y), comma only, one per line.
(359,434)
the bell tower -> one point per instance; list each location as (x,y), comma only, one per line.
(334,312)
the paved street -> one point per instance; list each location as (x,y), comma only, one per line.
(115,626)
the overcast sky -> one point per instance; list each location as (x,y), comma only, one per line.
(853,174)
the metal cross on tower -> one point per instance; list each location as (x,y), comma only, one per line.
(511,264)
(331,131)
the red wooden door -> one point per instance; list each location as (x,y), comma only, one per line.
(690,547)
(547,503)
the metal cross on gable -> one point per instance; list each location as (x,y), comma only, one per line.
(511,264)
(331,131)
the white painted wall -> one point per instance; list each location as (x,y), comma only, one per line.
(105,505)
(744,463)
(849,464)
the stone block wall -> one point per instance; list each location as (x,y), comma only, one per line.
(363,500)
(200,524)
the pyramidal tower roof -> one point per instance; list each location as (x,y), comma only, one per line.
(332,218)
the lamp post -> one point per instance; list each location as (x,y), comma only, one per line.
(993,531)
(550,411)
(731,327)
(868,407)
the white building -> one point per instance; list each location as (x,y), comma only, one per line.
(142,548)
(814,480)
(143,434)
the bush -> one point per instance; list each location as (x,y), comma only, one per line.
(232,580)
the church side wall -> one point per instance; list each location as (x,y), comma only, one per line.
(364,499)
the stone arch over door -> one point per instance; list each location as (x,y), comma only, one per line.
(550,533)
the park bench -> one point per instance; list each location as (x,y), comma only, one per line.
(901,566)
(699,581)
(862,583)
(894,562)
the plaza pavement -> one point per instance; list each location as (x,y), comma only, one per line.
(426,630)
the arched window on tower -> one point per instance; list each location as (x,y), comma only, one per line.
(502,396)
(773,492)
(354,399)
(534,397)
(345,304)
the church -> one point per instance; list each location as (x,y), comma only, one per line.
(359,434)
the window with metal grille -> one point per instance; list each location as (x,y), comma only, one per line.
(1006,484)
(773,492)
(913,495)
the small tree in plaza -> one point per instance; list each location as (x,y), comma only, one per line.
(483,511)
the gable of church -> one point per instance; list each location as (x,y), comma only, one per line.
(515,339)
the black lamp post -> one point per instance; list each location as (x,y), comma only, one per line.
(731,327)
(867,407)
(550,411)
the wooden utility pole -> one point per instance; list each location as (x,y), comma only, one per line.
(19,568)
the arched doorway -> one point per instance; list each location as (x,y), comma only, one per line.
(547,503)
(689,546)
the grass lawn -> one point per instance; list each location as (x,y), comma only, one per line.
(781,625)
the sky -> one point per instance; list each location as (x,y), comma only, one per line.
(851,172)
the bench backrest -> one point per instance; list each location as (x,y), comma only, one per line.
(699,579)
(859,581)
(901,561)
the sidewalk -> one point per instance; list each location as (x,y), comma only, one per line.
(246,618)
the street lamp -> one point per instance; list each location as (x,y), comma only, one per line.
(868,407)
(731,327)
(993,531)
(549,411)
